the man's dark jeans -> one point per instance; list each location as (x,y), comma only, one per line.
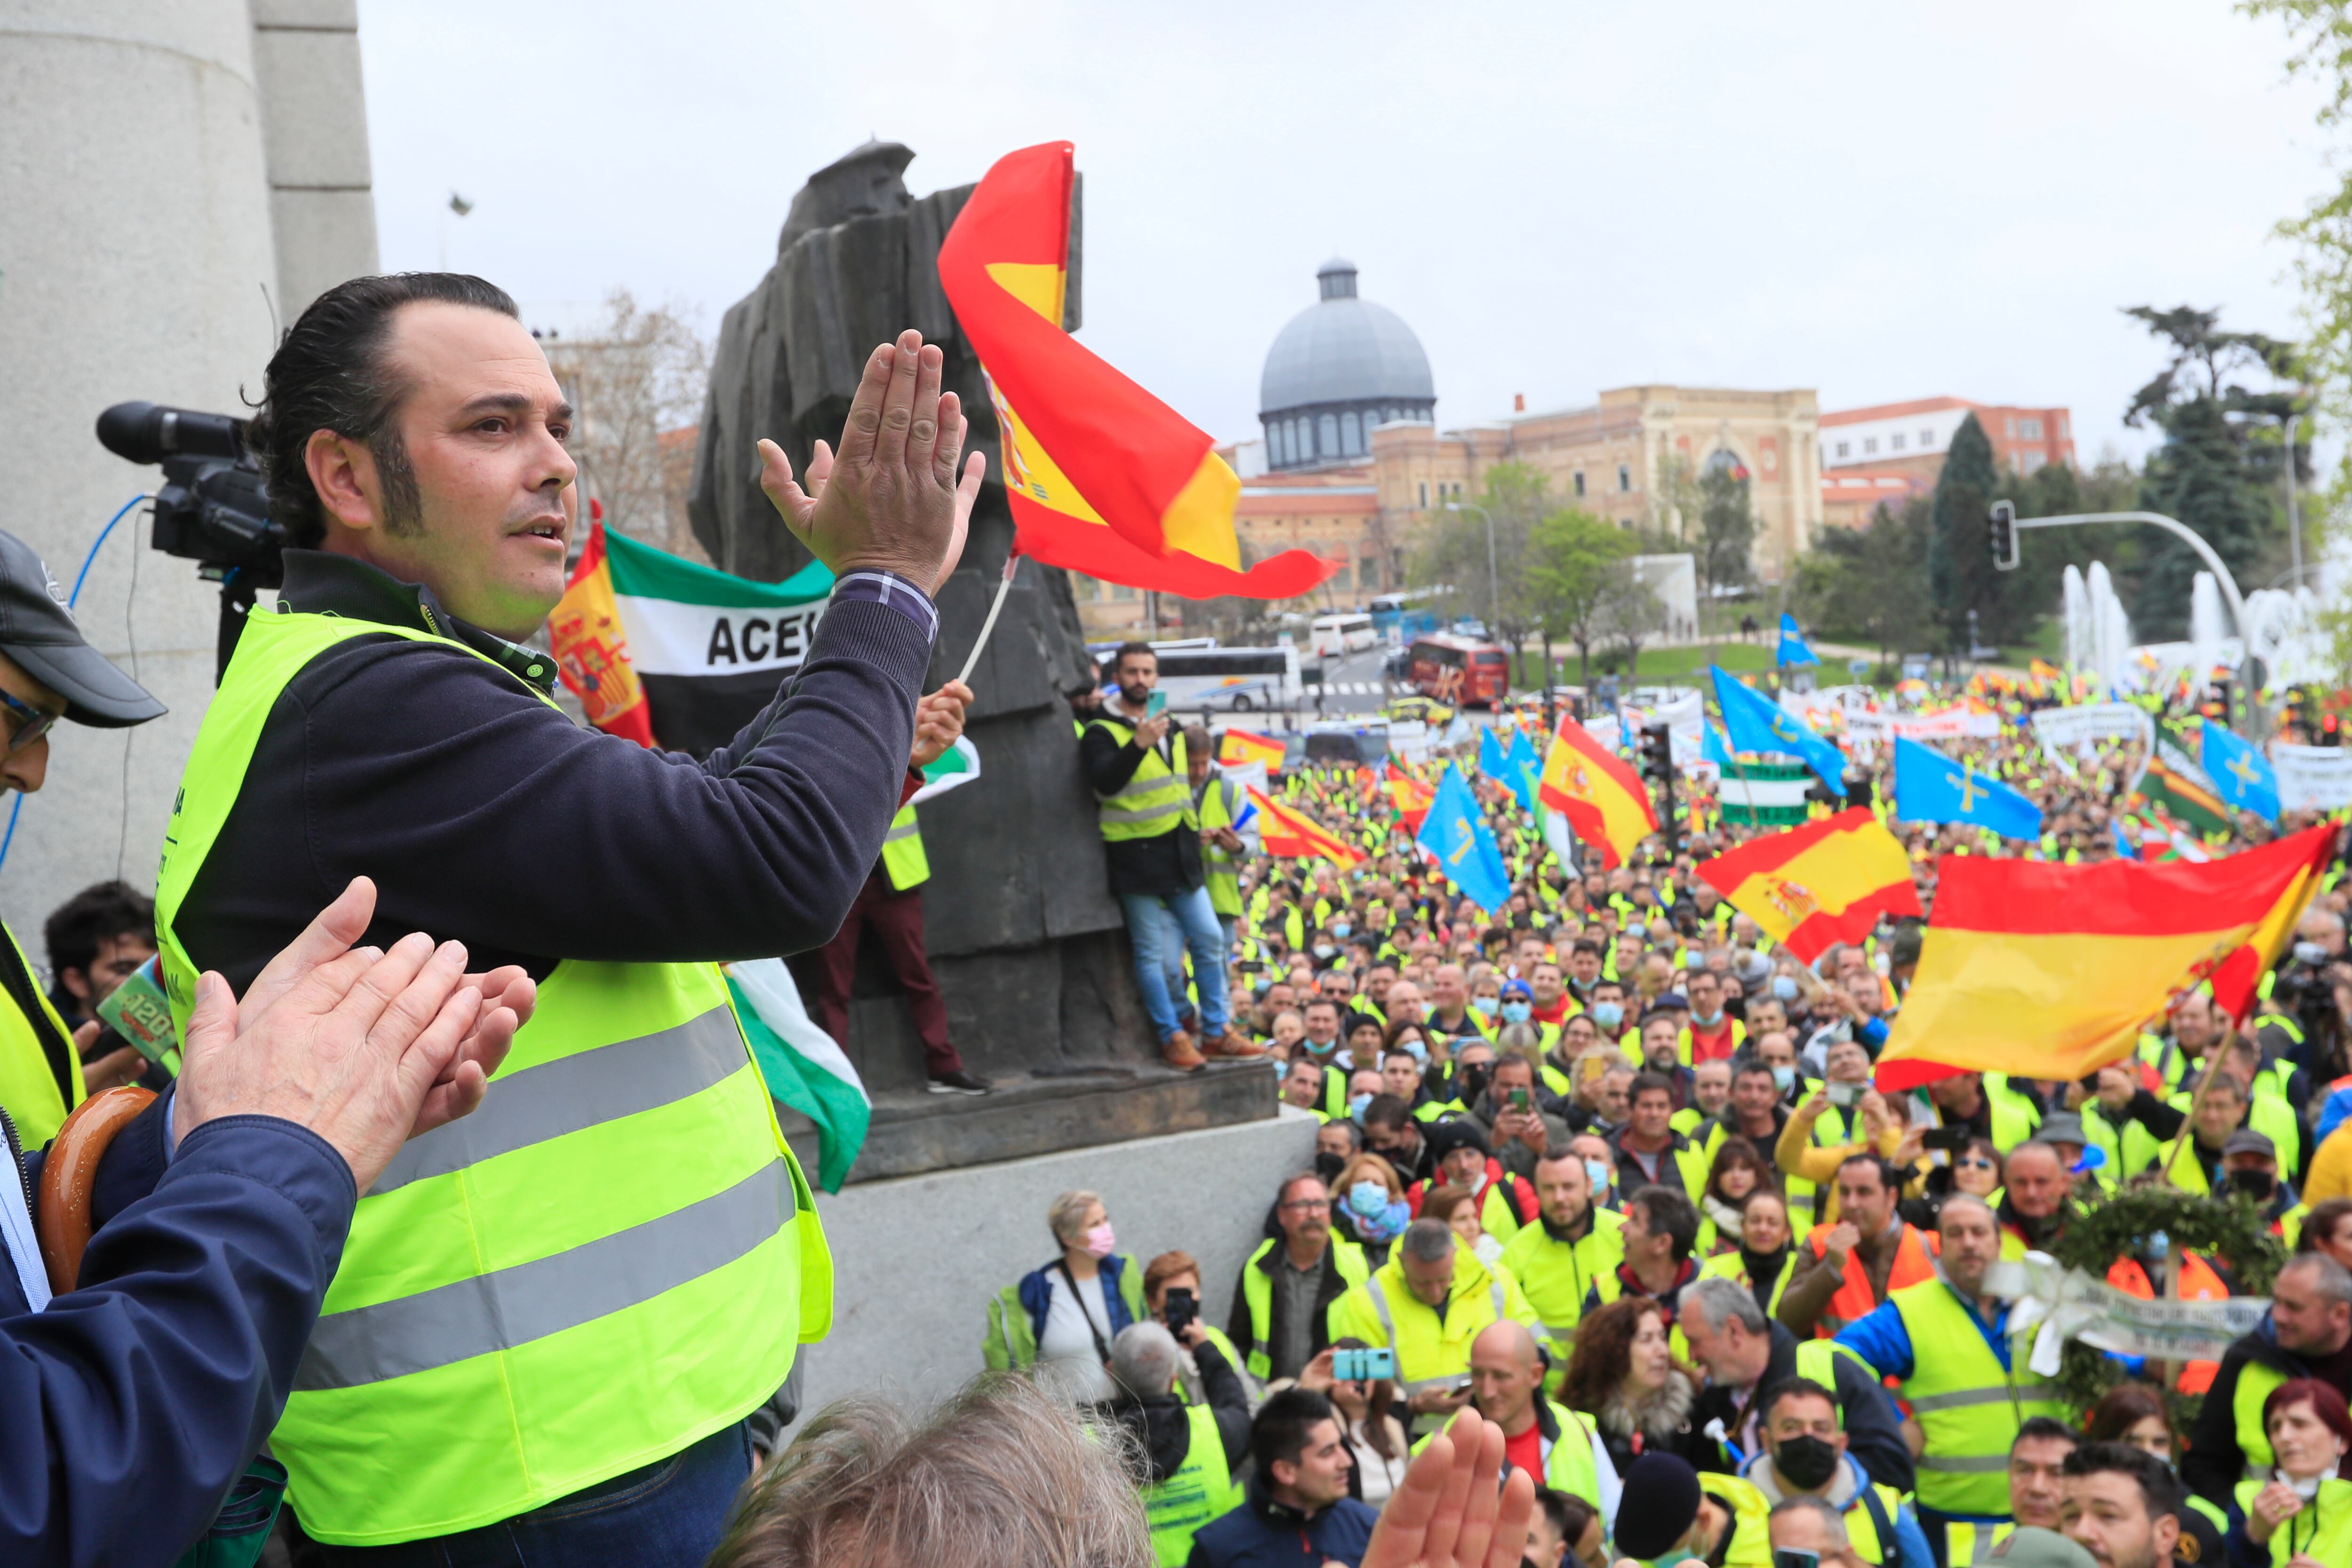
(667,1515)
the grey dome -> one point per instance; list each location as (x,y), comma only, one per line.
(1341,367)
(1343,349)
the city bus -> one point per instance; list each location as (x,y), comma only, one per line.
(1337,636)
(1463,670)
(1196,674)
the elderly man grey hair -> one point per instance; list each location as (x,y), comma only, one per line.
(1428,1241)
(1145,1359)
(1717,1300)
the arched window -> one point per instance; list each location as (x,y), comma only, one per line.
(1351,441)
(1288,431)
(1328,444)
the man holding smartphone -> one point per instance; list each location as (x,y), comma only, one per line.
(1136,764)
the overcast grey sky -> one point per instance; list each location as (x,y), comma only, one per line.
(1876,201)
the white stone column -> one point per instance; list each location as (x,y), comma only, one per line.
(306,58)
(136,261)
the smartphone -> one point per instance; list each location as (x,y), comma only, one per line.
(1844,1096)
(1950,1140)
(1518,1101)
(1157,705)
(1178,1309)
(137,1011)
(1795,1557)
(1377,1365)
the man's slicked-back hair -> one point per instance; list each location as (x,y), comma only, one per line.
(1002,1476)
(332,372)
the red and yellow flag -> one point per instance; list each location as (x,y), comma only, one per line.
(590,651)
(1825,882)
(2241,974)
(1604,800)
(1240,747)
(1410,796)
(1103,477)
(1288,830)
(2048,971)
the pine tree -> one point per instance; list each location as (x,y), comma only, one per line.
(1960,573)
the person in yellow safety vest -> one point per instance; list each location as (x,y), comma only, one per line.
(2198,1168)
(1183,1453)
(2303,1514)
(1647,1148)
(1549,1442)
(1958,1365)
(1397,1307)
(2037,1192)
(1763,1262)
(1573,1245)
(1666,1510)
(2309,1330)
(1275,1341)
(2114,1115)
(1151,847)
(592,1298)
(1219,804)
(1802,1451)
(1700,1120)
(890,905)
(48,672)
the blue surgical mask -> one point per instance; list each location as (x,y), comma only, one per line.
(1598,1173)
(1707,1020)
(1784,1079)
(1420,1051)
(1516,1012)
(1356,1104)
(1785,988)
(1608,1015)
(1340,929)
(1368,1199)
(1483,1006)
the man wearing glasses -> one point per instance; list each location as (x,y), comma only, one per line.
(46,673)
(1287,1288)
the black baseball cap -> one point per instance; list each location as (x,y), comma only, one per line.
(38,633)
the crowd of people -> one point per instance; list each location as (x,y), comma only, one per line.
(1609,1167)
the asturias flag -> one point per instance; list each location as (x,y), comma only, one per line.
(669,652)
(1792,650)
(2241,775)
(1602,798)
(1465,852)
(1930,787)
(1757,723)
(1522,768)
(2048,970)
(1825,882)
(1103,477)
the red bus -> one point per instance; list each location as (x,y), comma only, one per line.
(1463,670)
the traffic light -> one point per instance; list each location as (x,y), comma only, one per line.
(2004,525)
(1658,753)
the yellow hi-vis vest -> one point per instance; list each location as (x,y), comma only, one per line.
(1257,1293)
(1967,1544)
(1557,1275)
(1384,1311)
(30,1091)
(1220,868)
(1201,1488)
(1568,1463)
(903,859)
(2322,1532)
(2255,1383)
(1157,797)
(613,1258)
(1969,1406)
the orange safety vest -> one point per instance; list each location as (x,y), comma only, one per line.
(2199,1282)
(1914,1261)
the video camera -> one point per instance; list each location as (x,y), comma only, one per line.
(213,507)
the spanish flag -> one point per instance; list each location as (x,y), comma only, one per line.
(1825,882)
(2241,974)
(2048,971)
(1240,747)
(1410,796)
(1103,477)
(1288,830)
(1604,800)
(592,648)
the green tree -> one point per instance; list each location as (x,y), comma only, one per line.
(1727,526)
(1455,550)
(1573,559)
(1960,573)
(1870,584)
(1629,612)
(2218,470)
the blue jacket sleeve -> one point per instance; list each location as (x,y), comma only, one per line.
(1874,1426)
(1879,1337)
(1911,1542)
(129,1406)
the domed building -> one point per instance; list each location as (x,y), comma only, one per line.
(1341,368)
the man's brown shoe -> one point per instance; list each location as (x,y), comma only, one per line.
(1233,1043)
(1179,1053)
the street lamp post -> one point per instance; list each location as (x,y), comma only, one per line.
(2294,521)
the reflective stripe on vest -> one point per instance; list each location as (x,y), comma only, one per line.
(1380,1300)
(1966,1403)
(903,859)
(1971,1545)
(1197,1490)
(1257,1293)
(612,1258)
(1156,799)
(1219,865)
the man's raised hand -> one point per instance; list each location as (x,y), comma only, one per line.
(1448,1512)
(893,498)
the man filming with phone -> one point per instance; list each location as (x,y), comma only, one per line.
(551,1320)
(1135,761)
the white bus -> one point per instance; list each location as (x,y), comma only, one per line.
(1336,636)
(1198,675)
